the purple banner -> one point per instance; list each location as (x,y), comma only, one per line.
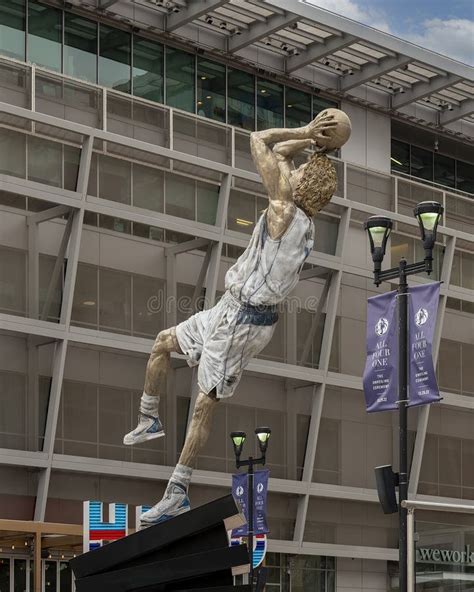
(260,488)
(381,368)
(422,313)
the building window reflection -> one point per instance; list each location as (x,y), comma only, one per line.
(241,97)
(44,36)
(431,166)
(180,86)
(114,58)
(12,28)
(210,90)
(148,62)
(269,104)
(297,107)
(80,47)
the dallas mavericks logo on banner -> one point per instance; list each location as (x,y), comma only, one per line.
(381,368)
(259,547)
(96,531)
(260,488)
(422,313)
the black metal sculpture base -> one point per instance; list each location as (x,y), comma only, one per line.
(189,552)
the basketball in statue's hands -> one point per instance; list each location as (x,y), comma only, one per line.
(331,129)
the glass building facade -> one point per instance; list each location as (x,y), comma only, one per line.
(118,59)
(136,150)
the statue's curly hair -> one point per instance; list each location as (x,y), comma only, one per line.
(317,185)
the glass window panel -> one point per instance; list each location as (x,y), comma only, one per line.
(12,405)
(297,107)
(421,163)
(114,58)
(467,270)
(467,369)
(207,198)
(65,577)
(50,575)
(80,400)
(180,197)
(44,161)
(148,306)
(210,89)
(241,214)
(12,153)
(114,179)
(44,35)
(148,188)
(115,224)
(400,159)
(4,574)
(465,176)
(115,300)
(46,266)
(19,581)
(84,308)
(180,79)
(449,373)
(241,99)
(12,281)
(80,47)
(269,104)
(12,28)
(444,170)
(148,63)
(71,167)
(321,104)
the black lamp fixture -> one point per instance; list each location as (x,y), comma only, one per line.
(428,214)
(238,439)
(263,435)
(379,229)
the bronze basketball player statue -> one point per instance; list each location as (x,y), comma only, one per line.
(223,339)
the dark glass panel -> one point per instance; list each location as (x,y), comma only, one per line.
(180,67)
(421,163)
(80,47)
(12,28)
(465,176)
(65,578)
(320,104)
(241,99)
(44,35)
(400,160)
(114,60)
(148,64)
(4,573)
(269,104)
(210,89)
(297,107)
(444,170)
(19,577)
(50,575)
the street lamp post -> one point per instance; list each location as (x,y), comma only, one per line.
(238,439)
(378,228)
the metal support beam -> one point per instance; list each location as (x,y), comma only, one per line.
(193,11)
(58,267)
(260,30)
(424,411)
(191,245)
(317,50)
(51,424)
(103,4)
(49,214)
(422,89)
(33,271)
(465,109)
(315,320)
(374,71)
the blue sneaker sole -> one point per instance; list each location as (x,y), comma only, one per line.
(165,517)
(144,438)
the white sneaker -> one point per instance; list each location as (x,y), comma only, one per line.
(148,428)
(174,502)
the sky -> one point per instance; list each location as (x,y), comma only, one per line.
(444,26)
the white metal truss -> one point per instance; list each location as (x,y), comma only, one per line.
(76,203)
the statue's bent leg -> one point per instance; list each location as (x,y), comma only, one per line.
(175,500)
(149,424)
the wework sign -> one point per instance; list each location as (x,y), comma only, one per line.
(466,557)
